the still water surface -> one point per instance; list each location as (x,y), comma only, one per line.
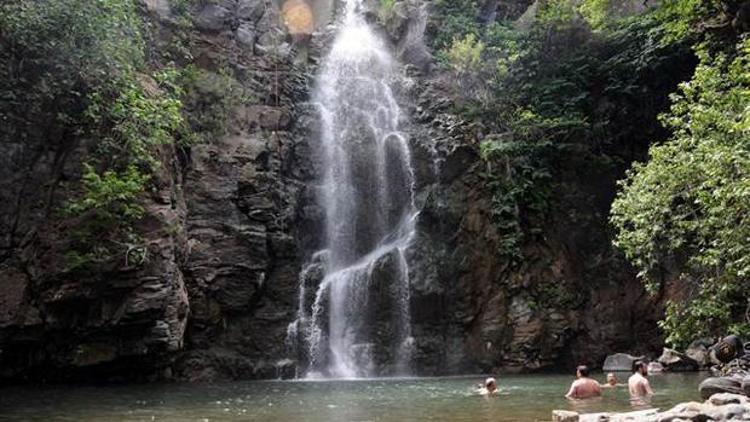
(523,398)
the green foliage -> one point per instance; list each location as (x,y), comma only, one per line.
(111,196)
(209,100)
(51,55)
(553,90)
(74,71)
(132,122)
(386,9)
(688,207)
(556,12)
(680,18)
(519,181)
(452,19)
(464,55)
(596,12)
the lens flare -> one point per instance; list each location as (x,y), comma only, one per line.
(298,17)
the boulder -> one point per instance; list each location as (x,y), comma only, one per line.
(620,362)
(746,385)
(727,349)
(674,361)
(212,18)
(698,351)
(245,36)
(160,8)
(250,10)
(731,412)
(711,386)
(564,416)
(655,368)
(720,399)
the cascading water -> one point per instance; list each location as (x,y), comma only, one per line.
(357,323)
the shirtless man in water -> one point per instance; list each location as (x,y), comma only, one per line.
(584,387)
(638,384)
(611,381)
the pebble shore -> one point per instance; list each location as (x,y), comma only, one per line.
(719,407)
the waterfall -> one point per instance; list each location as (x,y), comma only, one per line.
(357,323)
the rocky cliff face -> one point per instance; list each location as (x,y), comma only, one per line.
(571,300)
(231,221)
(217,289)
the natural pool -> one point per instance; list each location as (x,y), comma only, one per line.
(523,398)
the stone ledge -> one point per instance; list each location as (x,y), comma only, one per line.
(719,407)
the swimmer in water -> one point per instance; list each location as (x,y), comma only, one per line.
(638,383)
(611,381)
(583,387)
(490,387)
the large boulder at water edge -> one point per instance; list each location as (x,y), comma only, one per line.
(698,351)
(713,385)
(675,361)
(620,362)
(655,368)
(729,348)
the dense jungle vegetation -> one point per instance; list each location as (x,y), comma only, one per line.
(588,85)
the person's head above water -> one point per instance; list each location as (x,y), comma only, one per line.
(640,367)
(611,379)
(490,384)
(582,371)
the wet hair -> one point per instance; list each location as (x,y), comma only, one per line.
(490,381)
(639,364)
(583,370)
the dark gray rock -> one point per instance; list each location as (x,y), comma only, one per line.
(251,10)
(620,362)
(720,399)
(212,18)
(674,361)
(160,8)
(698,351)
(714,385)
(245,36)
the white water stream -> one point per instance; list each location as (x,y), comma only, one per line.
(358,324)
